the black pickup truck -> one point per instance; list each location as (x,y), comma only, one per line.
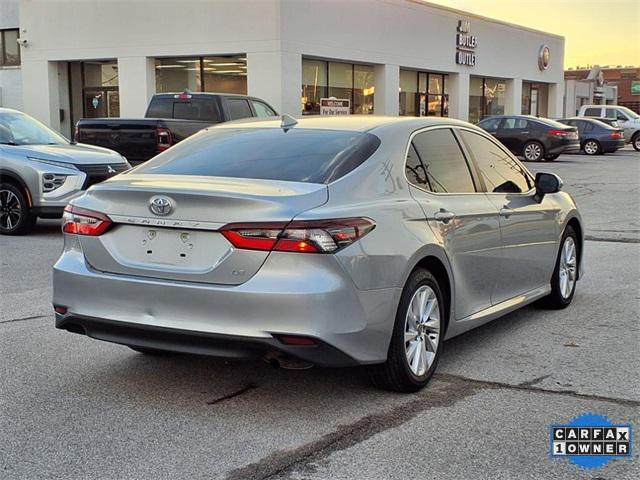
(170,117)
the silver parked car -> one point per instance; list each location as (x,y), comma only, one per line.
(334,241)
(40,171)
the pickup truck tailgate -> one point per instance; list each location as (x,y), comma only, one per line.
(136,141)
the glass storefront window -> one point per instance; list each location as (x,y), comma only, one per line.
(526,98)
(321,79)
(494,96)
(408,92)
(476,103)
(224,74)
(423,94)
(314,85)
(363,89)
(340,80)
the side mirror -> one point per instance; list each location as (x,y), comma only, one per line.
(547,183)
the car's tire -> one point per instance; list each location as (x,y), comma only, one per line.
(592,147)
(15,215)
(412,361)
(551,158)
(565,273)
(150,351)
(533,151)
(635,141)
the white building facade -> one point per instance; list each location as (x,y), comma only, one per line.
(90,58)
(10,72)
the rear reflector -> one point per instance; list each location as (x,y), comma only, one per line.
(616,135)
(304,236)
(294,340)
(81,221)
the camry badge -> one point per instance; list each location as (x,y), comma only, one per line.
(160,205)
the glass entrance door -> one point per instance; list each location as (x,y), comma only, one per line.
(101,102)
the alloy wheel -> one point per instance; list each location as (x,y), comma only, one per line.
(422,330)
(532,151)
(591,147)
(568,267)
(10,210)
(636,142)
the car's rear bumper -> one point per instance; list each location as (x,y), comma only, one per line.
(612,145)
(311,297)
(569,147)
(200,343)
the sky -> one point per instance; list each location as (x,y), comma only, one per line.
(597,32)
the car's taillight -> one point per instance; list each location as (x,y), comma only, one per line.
(163,139)
(82,221)
(302,236)
(616,135)
(559,133)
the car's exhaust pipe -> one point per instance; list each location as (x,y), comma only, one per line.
(280,360)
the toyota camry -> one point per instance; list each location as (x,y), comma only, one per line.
(340,241)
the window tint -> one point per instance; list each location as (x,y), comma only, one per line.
(298,155)
(611,113)
(196,109)
(490,123)
(592,112)
(514,123)
(202,109)
(446,168)
(500,171)
(239,108)
(160,108)
(586,127)
(416,173)
(262,109)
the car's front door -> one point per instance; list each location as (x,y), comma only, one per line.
(623,121)
(513,133)
(528,226)
(464,220)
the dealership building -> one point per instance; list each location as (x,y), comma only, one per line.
(408,57)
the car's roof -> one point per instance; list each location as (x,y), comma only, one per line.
(9,110)
(361,123)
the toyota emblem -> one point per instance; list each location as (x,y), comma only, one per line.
(160,205)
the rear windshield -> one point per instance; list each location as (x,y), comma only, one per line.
(204,109)
(297,155)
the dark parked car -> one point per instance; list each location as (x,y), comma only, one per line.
(531,137)
(596,137)
(170,118)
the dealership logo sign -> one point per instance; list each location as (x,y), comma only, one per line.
(465,44)
(543,57)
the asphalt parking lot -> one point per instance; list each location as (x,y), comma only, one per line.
(76,408)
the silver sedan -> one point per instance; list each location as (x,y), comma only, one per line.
(329,241)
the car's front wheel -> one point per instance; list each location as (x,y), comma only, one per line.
(635,141)
(15,215)
(591,147)
(417,337)
(565,274)
(533,151)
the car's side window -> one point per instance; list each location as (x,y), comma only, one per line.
(611,113)
(262,109)
(446,170)
(621,116)
(416,172)
(239,108)
(592,112)
(490,123)
(586,127)
(499,170)
(514,124)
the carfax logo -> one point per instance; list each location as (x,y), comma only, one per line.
(590,441)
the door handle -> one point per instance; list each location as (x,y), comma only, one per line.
(444,216)
(506,212)
(526,132)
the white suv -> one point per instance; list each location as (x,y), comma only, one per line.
(627,119)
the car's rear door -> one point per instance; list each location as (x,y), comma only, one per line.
(464,220)
(514,133)
(528,225)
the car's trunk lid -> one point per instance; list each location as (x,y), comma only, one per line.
(184,244)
